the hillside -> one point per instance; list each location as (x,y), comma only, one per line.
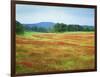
(41,24)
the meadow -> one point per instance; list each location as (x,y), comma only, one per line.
(49,52)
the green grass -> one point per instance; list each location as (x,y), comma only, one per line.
(30,33)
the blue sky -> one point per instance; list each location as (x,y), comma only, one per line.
(28,14)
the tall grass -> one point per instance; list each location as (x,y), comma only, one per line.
(48,52)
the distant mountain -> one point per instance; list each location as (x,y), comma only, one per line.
(41,24)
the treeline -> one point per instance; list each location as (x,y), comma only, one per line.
(36,29)
(61,27)
(58,27)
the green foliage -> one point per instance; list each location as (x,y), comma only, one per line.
(88,28)
(74,27)
(19,28)
(60,27)
(39,29)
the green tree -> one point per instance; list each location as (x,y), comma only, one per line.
(73,27)
(60,27)
(19,28)
(88,28)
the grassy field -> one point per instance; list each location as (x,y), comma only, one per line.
(48,52)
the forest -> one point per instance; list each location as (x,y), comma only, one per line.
(57,27)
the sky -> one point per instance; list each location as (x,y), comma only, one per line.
(28,14)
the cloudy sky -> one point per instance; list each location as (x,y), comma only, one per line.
(28,14)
